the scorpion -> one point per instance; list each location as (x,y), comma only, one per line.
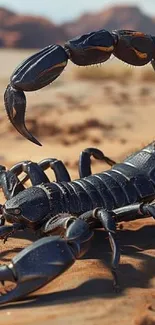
(64,213)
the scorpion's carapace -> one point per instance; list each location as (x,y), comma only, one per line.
(40,69)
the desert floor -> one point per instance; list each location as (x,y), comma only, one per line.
(111,107)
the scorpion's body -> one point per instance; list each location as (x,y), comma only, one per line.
(125,183)
(128,182)
(71,209)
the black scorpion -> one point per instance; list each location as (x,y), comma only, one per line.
(65,213)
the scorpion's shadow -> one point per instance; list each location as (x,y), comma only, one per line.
(133,243)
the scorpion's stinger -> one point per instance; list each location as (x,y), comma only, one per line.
(15,104)
(36,72)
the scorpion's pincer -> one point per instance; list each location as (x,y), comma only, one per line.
(44,260)
(34,73)
(35,266)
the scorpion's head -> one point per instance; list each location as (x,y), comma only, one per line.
(28,208)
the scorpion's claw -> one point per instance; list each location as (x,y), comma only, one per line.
(45,259)
(34,73)
(35,266)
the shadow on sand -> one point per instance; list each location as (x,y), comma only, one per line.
(133,243)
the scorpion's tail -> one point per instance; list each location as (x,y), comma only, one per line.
(34,73)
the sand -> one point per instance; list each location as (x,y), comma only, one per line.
(116,116)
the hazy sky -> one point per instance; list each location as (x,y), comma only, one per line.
(61,10)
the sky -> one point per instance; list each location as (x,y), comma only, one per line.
(63,10)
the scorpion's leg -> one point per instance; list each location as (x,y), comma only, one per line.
(11,186)
(85,160)
(108,222)
(45,259)
(148,209)
(58,167)
(135,211)
(9,183)
(34,172)
(109,219)
(7,231)
(34,73)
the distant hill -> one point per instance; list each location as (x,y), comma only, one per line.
(116,17)
(21,31)
(28,31)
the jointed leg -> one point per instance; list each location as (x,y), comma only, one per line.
(135,211)
(58,167)
(33,170)
(109,224)
(85,160)
(109,220)
(9,183)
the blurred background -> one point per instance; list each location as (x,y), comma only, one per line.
(107,106)
(35,24)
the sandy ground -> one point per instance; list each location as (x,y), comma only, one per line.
(66,117)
